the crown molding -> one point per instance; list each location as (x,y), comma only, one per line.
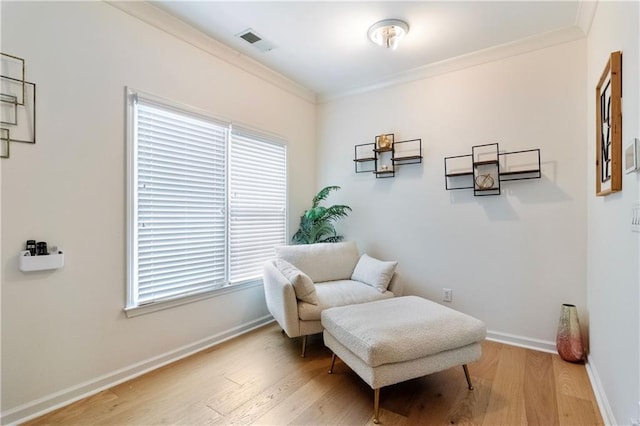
(158,18)
(518,47)
(586,12)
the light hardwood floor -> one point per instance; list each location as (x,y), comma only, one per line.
(260,378)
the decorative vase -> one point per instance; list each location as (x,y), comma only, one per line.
(569,339)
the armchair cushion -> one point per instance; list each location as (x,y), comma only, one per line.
(339,293)
(302,285)
(374,272)
(322,261)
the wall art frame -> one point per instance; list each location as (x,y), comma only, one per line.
(8,109)
(24,129)
(632,156)
(13,67)
(5,138)
(609,127)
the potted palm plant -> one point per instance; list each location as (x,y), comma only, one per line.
(316,224)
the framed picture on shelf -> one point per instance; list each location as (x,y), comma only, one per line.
(609,127)
(384,142)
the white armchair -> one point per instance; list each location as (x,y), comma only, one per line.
(340,276)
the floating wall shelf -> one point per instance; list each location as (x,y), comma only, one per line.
(384,156)
(486,168)
(28,263)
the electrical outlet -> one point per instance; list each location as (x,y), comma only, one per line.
(447,295)
(636,421)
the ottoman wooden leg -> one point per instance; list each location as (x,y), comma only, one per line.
(376,405)
(466,374)
(304,345)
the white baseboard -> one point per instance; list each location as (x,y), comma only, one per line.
(38,407)
(523,342)
(601,397)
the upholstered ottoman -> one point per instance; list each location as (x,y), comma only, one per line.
(393,340)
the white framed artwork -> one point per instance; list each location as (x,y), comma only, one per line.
(631,156)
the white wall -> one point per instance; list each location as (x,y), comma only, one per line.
(612,273)
(512,259)
(66,328)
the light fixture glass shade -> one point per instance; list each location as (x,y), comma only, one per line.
(388,32)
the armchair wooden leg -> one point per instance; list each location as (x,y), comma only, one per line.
(466,374)
(304,345)
(333,363)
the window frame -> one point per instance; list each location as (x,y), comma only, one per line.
(132,95)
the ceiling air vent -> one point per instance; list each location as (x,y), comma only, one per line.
(250,37)
(255,40)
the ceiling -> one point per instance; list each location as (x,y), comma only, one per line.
(323,45)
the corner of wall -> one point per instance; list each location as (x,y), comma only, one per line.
(585,15)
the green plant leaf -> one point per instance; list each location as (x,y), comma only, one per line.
(315,213)
(316,224)
(323,194)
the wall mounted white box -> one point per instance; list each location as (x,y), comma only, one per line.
(632,156)
(40,263)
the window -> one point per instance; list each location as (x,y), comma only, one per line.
(207,203)
(258,191)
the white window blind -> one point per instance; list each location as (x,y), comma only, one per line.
(257,203)
(206,205)
(181,201)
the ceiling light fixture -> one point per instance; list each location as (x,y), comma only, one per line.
(388,32)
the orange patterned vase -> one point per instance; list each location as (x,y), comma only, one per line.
(569,339)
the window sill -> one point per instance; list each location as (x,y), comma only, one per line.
(134,311)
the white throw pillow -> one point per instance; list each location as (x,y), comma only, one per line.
(374,272)
(322,261)
(304,288)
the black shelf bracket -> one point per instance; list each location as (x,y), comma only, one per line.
(385,155)
(486,168)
